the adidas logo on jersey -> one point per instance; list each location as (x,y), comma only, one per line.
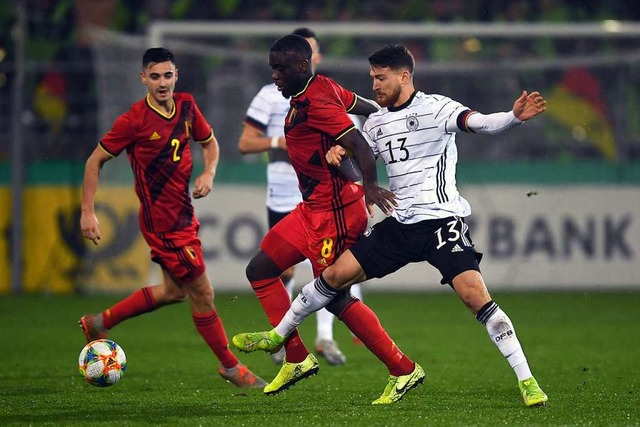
(154,136)
(457,248)
(379,133)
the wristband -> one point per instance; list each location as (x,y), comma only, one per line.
(274,141)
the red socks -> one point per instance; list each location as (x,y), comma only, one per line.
(365,325)
(139,302)
(210,327)
(275,302)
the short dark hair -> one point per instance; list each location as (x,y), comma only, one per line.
(305,32)
(157,55)
(293,43)
(395,56)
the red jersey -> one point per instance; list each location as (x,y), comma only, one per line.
(316,120)
(158,149)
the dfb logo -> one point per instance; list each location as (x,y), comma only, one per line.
(504,335)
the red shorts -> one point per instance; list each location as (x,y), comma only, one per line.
(318,236)
(178,252)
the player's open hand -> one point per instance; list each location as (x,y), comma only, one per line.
(335,155)
(90,227)
(381,197)
(529,105)
(203,185)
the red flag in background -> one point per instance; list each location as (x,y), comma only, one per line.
(577,103)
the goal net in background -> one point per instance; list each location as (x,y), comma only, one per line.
(589,73)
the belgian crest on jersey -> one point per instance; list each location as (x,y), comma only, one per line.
(291,117)
(412,123)
(297,113)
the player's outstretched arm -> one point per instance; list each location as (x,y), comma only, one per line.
(525,107)
(204,182)
(89,223)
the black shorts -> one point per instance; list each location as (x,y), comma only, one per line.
(443,243)
(275,217)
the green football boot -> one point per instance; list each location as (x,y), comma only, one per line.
(291,373)
(532,394)
(397,387)
(268,341)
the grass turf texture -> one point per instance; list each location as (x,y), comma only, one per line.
(583,348)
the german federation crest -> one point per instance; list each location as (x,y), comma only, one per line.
(412,123)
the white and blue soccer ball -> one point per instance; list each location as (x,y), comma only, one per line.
(102,363)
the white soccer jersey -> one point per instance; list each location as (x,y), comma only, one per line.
(417,143)
(269,109)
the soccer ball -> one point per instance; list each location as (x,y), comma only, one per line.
(102,363)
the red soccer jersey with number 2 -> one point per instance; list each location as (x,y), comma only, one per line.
(315,122)
(158,147)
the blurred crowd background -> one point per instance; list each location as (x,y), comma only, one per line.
(69,67)
(61,98)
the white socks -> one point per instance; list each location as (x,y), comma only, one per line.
(324,317)
(324,325)
(312,297)
(503,335)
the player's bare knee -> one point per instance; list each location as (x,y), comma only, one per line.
(171,292)
(331,275)
(203,300)
(344,273)
(200,290)
(181,296)
(174,294)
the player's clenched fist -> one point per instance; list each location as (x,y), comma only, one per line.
(90,227)
(335,154)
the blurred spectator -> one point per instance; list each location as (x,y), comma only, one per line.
(65,101)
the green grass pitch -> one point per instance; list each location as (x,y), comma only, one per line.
(584,349)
